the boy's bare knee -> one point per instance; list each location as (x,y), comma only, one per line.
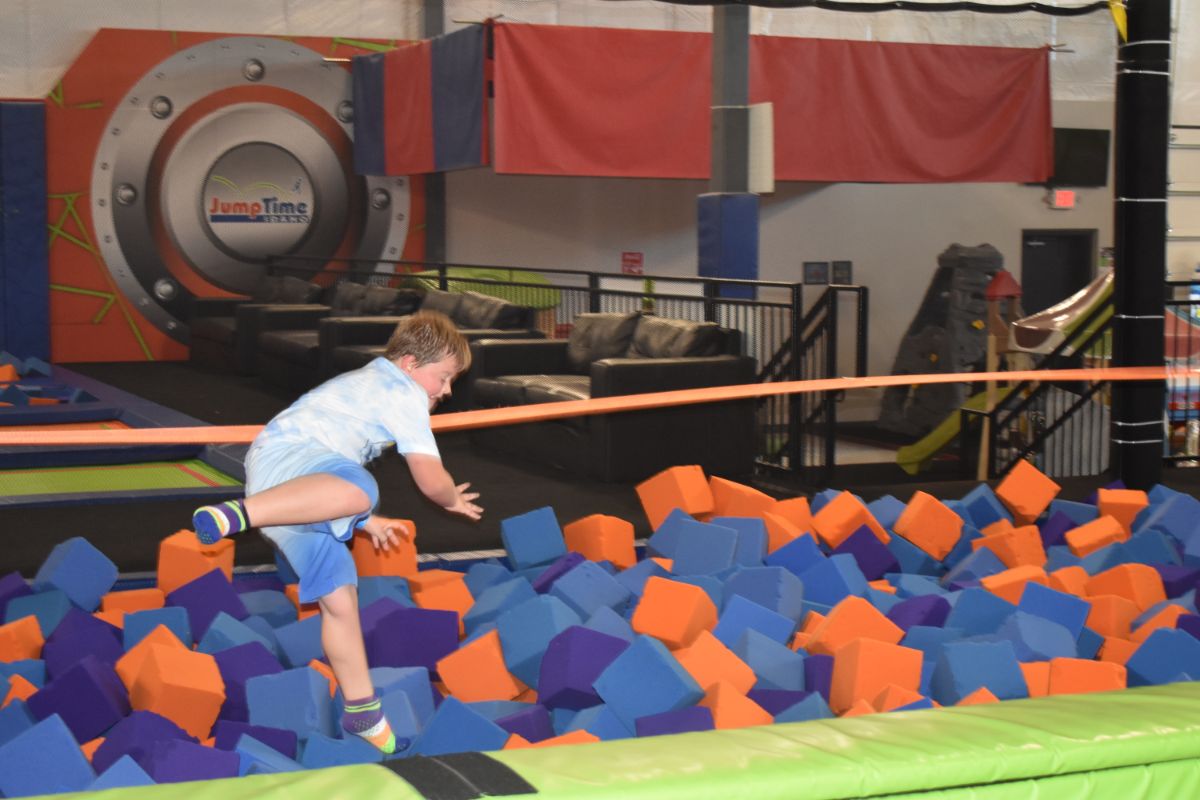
(341,602)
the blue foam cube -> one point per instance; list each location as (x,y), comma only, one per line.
(238,665)
(818,674)
(797,556)
(815,706)
(12,585)
(965,666)
(561,566)
(605,620)
(413,682)
(277,609)
(526,630)
(886,510)
(602,722)
(1079,513)
(79,569)
(588,587)
(685,720)
(775,665)
(751,539)
(300,641)
(14,718)
(979,564)
(259,758)
(533,538)
(139,624)
(978,611)
(44,759)
(1036,638)
(49,607)
(741,614)
(1162,656)
(666,536)
(484,574)
(775,588)
(125,773)
(829,582)
(322,751)
(646,679)
(912,559)
(226,734)
(295,700)
(705,550)
(634,579)
(457,728)
(1066,609)
(225,632)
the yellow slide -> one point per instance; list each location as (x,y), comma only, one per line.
(915,457)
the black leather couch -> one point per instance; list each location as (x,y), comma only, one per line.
(619,354)
(224,330)
(300,346)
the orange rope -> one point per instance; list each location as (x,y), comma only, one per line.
(490,417)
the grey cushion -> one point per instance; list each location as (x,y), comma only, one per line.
(297,347)
(477,310)
(216,329)
(380,301)
(556,388)
(445,302)
(347,299)
(597,336)
(659,337)
(285,289)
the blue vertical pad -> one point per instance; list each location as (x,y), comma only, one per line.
(727,225)
(24,258)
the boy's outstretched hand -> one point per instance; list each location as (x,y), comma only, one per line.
(464,502)
(386,532)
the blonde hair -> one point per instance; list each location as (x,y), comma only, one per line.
(428,336)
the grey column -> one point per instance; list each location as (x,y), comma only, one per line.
(433,24)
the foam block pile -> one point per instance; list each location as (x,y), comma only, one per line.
(744,610)
(13,369)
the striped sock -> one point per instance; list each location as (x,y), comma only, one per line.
(211,523)
(365,718)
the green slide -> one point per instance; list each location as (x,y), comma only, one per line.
(915,457)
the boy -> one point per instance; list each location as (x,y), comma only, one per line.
(307,490)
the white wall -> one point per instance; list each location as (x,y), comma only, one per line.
(892,233)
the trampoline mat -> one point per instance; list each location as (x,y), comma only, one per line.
(187,474)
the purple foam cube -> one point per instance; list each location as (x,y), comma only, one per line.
(572,662)
(408,637)
(12,585)
(177,761)
(1177,580)
(1189,623)
(774,701)
(134,736)
(818,674)
(532,723)
(227,732)
(238,665)
(924,609)
(684,720)
(80,634)
(873,557)
(1054,530)
(204,598)
(561,566)
(89,697)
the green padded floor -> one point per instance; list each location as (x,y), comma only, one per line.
(190,474)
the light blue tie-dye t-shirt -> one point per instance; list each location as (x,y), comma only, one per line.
(358,414)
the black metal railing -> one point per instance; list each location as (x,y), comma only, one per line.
(787,343)
(1181,349)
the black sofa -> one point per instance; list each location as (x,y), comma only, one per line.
(610,354)
(300,346)
(224,330)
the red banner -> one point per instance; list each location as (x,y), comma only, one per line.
(634,103)
(601,101)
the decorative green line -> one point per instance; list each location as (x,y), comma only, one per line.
(374,47)
(57,229)
(109,298)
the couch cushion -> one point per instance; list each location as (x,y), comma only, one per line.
(298,347)
(347,300)
(479,311)
(348,357)
(660,337)
(556,388)
(380,301)
(508,390)
(597,336)
(445,302)
(285,289)
(214,329)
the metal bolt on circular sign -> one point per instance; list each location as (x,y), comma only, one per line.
(225,153)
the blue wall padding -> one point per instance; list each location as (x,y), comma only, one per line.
(24,257)
(727,225)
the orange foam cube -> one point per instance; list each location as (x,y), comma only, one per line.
(852,618)
(1002,525)
(1122,505)
(579,736)
(668,564)
(1094,535)
(476,672)
(1026,491)
(399,560)
(181,685)
(795,510)
(133,600)
(129,665)
(781,530)
(811,621)
(303,610)
(842,516)
(1116,650)
(601,537)
(1071,580)
(1010,583)
(442,589)
(516,742)
(1080,675)
(1167,617)
(930,525)
(882,585)
(21,639)
(894,696)
(731,499)
(732,709)
(979,697)
(19,688)
(1037,677)
(1016,546)
(90,747)
(709,662)
(860,708)
(1111,615)
(1140,583)
(114,618)
(800,640)
(862,668)
(8,373)
(182,559)
(684,488)
(674,613)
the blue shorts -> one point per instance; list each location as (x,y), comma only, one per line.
(317,551)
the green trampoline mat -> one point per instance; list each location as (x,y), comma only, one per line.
(189,474)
